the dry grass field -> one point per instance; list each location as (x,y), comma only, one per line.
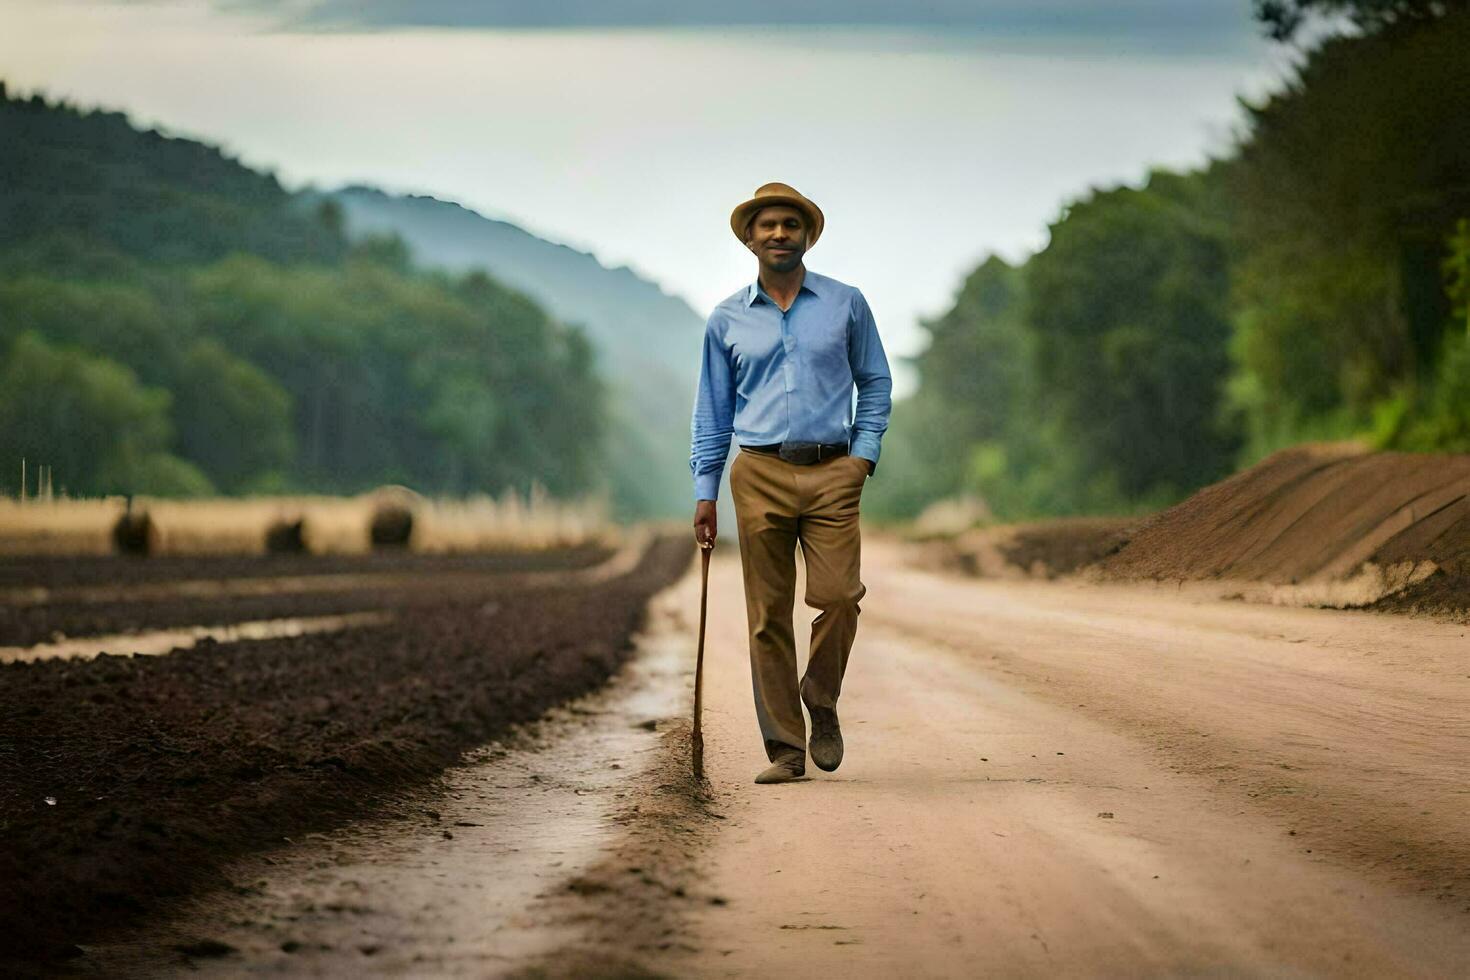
(327,525)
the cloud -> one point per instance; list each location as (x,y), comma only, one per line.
(1199,19)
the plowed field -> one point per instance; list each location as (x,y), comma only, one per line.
(125,779)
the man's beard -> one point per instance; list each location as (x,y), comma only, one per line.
(788,263)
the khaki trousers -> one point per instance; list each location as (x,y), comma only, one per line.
(777,505)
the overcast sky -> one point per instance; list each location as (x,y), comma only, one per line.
(930,134)
(1186,18)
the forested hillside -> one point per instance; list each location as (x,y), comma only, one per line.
(646,341)
(1313,284)
(173,322)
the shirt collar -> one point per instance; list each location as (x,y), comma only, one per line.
(754,291)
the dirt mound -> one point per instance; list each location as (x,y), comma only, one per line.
(124,780)
(1045,549)
(1324,524)
(1314,515)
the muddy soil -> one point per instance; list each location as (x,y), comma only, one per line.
(545,852)
(43,599)
(52,572)
(128,780)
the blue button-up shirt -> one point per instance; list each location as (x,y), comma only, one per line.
(767,376)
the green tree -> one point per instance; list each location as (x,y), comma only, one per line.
(1128,304)
(90,420)
(155,197)
(1435,416)
(977,365)
(233,421)
(1456,269)
(1343,193)
(974,398)
(1283,18)
(397,376)
(121,319)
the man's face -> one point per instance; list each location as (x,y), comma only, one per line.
(777,236)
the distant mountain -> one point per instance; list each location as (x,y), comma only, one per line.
(627,317)
(647,341)
(88,173)
(173,322)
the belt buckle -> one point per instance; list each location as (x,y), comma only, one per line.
(801,453)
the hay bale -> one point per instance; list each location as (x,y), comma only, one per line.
(285,537)
(391,527)
(135,533)
(393,516)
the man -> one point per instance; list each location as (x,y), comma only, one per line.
(781,357)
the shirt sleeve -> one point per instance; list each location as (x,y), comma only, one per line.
(874,382)
(713,423)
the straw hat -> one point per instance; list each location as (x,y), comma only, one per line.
(767,195)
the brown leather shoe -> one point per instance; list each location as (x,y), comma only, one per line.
(825,747)
(783,770)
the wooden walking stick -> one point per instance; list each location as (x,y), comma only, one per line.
(697,741)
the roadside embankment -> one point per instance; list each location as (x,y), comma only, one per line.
(1321,525)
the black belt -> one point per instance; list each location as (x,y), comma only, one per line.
(802,453)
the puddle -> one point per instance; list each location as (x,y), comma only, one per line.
(163,641)
(454,887)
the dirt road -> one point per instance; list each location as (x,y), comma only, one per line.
(1046,779)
